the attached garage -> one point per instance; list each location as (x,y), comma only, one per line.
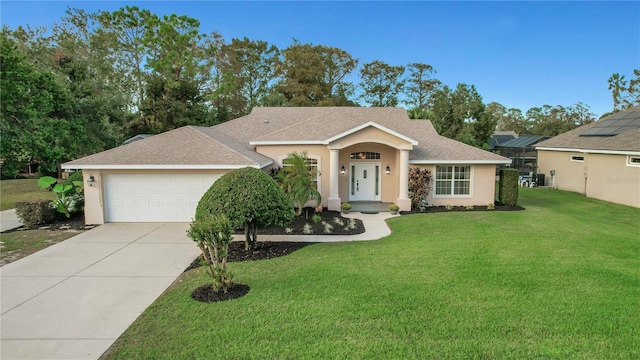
(154,197)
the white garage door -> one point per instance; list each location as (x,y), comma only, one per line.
(154,198)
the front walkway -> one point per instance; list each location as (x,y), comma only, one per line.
(72,300)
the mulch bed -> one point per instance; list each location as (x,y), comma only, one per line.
(206,294)
(75,222)
(297,226)
(264,250)
(440,209)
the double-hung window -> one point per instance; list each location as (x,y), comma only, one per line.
(453,180)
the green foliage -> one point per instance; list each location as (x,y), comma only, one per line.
(394,207)
(381,83)
(298,180)
(419,185)
(316,218)
(345,206)
(250,199)
(491,206)
(34,213)
(213,233)
(69,198)
(508,187)
(420,86)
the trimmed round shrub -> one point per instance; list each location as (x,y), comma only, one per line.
(250,198)
(35,213)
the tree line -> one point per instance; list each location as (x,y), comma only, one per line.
(92,80)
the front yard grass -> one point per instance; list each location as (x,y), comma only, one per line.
(15,190)
(559,280)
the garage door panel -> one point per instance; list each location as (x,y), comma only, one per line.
(154,198)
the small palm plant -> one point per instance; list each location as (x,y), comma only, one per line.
(298,180)
(213,233)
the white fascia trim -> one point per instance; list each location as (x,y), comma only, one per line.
(365,125)
(466,162)
(588,151)
(306,142)
(162,167)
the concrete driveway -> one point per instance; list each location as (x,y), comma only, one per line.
(74,299)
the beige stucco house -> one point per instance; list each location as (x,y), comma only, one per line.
(600,159)
(362,154)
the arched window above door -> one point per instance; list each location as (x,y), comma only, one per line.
(365,155)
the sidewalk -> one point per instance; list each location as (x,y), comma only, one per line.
(9,220)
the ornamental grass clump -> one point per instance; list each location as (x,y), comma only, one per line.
(213,233)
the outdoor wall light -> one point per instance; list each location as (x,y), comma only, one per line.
(387,170)
(342,170)
(91,180)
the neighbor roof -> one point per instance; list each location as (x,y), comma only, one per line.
(188,147)
(524,141)
(624,142)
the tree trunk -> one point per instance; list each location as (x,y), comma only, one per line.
(247,239)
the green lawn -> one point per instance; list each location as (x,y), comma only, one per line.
(560,280)
(15,190)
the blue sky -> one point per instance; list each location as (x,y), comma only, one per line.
(520,54)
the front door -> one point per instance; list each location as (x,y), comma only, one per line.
(364,182)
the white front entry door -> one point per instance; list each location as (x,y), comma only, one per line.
(364,182)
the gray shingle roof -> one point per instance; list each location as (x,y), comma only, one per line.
(228,145)
(626,141)
(198,147)
(316,124)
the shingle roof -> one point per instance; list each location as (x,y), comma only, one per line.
(198,147)
(626,141)
(228,145)
(316,124)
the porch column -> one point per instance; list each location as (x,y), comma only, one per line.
(403,173)
(334,174)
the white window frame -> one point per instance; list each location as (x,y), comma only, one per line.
(631,158)
(318,166)
(453,180)
(576,158)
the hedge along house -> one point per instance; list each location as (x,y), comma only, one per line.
(600,159)
(361,154)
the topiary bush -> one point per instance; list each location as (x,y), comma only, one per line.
(250,199)
(35,213)
(508,187)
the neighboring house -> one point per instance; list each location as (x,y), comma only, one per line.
(136,138)
(600,159)
(500,137)
(522,153)
(362,154)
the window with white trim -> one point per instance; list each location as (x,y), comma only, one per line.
(313,165)
(453,180)
(633,160)
(579,158)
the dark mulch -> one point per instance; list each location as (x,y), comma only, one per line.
(205,293)
(439,209)
(317,228)
(264,250)
(75,222)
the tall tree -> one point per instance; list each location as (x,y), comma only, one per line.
(253,65)
(315,75)
(510,119)
(381,83)
(617,85)
(460,114)
(420,85)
